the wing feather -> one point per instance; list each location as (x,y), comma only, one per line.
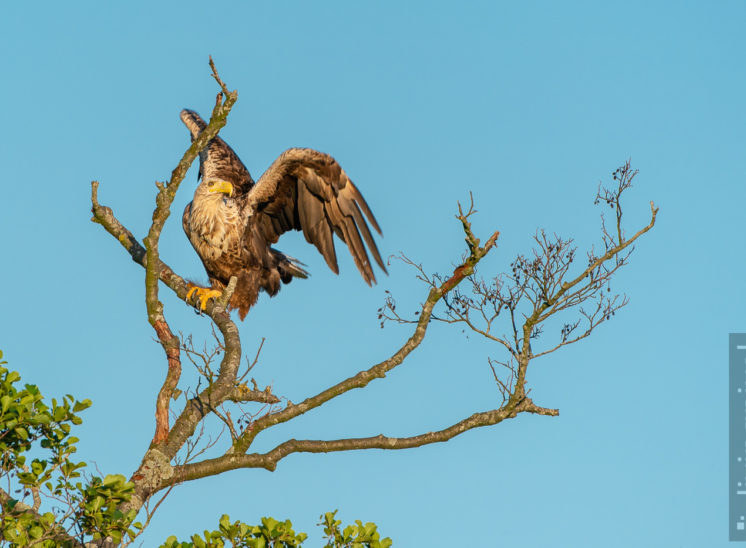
(354,243)
(363,205)
(315,227)
(363,227)
(307,190)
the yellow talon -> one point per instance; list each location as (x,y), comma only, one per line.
(203,294)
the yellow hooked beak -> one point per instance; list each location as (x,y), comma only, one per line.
(221,186)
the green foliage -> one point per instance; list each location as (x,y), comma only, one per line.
(279,534)
(352,536)
(25,419)
(36,448)
(25,528)
(100,512)
(270,534)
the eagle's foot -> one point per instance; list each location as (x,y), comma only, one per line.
(203,295)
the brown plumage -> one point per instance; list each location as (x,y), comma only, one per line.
(232,226)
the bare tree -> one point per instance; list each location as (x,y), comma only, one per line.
(552,282)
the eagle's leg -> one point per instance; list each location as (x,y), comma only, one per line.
(203,295)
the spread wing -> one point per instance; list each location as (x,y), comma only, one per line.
(307,190)
(217,160)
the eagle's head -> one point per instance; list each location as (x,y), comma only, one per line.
(214,192)
(219,186)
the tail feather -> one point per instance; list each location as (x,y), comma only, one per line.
(289,267)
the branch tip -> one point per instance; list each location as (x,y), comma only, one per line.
(220,82)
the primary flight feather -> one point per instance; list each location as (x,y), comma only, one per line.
(233,221)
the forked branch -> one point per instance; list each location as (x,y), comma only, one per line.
(534,291)
(538,287)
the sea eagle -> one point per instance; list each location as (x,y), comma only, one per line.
(233,221)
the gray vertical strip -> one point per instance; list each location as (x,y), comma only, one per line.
(737,440)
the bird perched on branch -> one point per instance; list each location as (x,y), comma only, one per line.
(233,221)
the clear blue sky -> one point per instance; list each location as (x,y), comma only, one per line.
(526,104)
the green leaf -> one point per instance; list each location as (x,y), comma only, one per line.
(81,405)
(114,479)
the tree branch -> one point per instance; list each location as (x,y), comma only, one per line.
(270,459)
(242,393)
(170,441)
(538,279)
(164,199)
(236,456)
(379,371)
